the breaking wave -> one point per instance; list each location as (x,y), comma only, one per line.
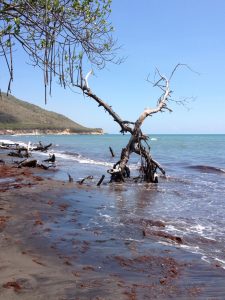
(81,159)
(207,169)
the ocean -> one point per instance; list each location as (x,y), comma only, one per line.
(190,200)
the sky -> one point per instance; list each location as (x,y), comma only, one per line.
(151,34)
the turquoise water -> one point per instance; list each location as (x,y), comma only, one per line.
(190,200)
(174,152)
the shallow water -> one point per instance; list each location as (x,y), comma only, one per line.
(190,201)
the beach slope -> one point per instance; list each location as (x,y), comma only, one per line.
(52,248)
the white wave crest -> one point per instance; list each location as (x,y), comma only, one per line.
(9,142)
(83,160)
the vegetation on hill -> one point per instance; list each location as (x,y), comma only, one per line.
(16,114)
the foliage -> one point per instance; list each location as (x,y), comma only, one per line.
(20,115)
(57,35)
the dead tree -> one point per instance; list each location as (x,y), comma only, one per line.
(41,147)
(28,163)
(138,141)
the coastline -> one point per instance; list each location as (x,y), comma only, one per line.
(47,251)
(49,132)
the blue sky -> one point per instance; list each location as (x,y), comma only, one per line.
(152,33)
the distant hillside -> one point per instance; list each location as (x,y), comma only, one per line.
(18,115)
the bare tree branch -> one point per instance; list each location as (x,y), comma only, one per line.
(182,65)
(82,83)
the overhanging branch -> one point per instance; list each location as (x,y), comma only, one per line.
(82,83)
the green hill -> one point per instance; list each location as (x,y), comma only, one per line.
(18,115)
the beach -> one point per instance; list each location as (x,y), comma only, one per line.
(64,240)
(52,247)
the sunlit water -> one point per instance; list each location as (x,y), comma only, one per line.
(191,200)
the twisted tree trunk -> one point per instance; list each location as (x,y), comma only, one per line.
(148,167)
(135,145)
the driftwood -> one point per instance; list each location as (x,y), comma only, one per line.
(70,177)
(101,180)
(51,159)
(20,148)
(7,145)
(28,163)
(85,178)
(111,151)
(41,147)
(31,164)
(12,147)
(42,166)
(15,154)
(19,153)
(138,142)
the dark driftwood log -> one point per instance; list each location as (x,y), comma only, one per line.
(70,177)
(42,148)
(111,151)
(51,159)
(13,147)
(20,153)
(9,146)
(15,154)
(85,178)
(101,180)
(43,166)
(17,147)
(28,163)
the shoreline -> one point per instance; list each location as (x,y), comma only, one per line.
(48,251)
(48,132)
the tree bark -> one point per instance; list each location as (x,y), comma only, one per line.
(149,166)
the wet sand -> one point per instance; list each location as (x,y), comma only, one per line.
(48,252)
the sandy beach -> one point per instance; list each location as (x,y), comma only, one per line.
(42,259)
